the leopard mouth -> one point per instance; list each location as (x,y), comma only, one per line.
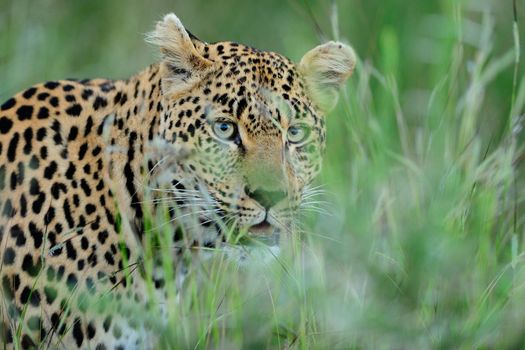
(264,233)
(262,228)
(261,234)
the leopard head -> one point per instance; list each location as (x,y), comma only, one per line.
(250,126)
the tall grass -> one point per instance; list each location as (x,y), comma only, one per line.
(422,247)
(419,239)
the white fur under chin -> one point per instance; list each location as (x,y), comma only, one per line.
(257,255)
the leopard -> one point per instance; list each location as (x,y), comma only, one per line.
(214,140)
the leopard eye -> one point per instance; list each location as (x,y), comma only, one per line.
(298,133)
(224,130)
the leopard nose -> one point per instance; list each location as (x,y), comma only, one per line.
(266,198)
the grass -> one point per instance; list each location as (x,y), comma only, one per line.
(423,246)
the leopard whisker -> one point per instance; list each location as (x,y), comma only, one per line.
(170,190)
(194,201)
(198,212)
(317,210)
(306,203)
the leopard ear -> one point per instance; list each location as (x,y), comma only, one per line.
(325,69)
(182,65)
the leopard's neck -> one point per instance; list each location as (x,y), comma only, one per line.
(130,123)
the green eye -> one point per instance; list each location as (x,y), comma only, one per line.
(298,133)
(224,130)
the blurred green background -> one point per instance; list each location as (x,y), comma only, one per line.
(422,243)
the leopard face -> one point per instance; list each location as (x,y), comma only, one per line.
(250,123)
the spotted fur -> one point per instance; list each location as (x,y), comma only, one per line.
(84,164)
